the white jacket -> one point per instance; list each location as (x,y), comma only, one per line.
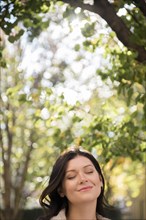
(61,216)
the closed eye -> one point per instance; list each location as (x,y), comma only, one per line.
(88,172)
(70,177)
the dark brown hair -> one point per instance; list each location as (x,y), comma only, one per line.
(50,199)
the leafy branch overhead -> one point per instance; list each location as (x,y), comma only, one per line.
(128,27)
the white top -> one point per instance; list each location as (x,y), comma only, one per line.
(61,216)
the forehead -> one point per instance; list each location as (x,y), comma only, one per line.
(78,162)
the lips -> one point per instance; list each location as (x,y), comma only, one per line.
(86,188)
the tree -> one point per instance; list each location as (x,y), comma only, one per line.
(125,18)
(22,131)
(25,131)
(135,12)
(108,11)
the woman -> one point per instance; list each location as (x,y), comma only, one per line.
(76,188)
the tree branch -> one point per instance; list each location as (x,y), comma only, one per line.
(19,188)
(7,168)
(141,4)
(108,13)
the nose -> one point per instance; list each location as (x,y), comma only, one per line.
(82,178)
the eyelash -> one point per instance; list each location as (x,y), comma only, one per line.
(90,171)
(72,177)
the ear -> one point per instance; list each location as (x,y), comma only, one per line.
(60,192)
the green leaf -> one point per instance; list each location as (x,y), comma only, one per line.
(12,39)
(77,47)
(88,30)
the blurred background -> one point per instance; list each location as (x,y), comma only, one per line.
(72,73)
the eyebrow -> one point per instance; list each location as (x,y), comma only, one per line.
(89,165)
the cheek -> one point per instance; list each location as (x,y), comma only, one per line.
(98,181)
(69,187)
(98,185)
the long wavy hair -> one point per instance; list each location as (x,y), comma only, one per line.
(50,199)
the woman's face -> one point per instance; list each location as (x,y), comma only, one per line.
(82,182)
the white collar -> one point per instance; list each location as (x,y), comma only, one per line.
(61,216)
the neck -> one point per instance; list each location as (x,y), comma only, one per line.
(82,212)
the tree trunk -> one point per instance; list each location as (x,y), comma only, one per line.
(12,196)
(6,158)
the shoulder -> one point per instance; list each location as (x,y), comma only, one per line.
(60,216)
(100,217)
